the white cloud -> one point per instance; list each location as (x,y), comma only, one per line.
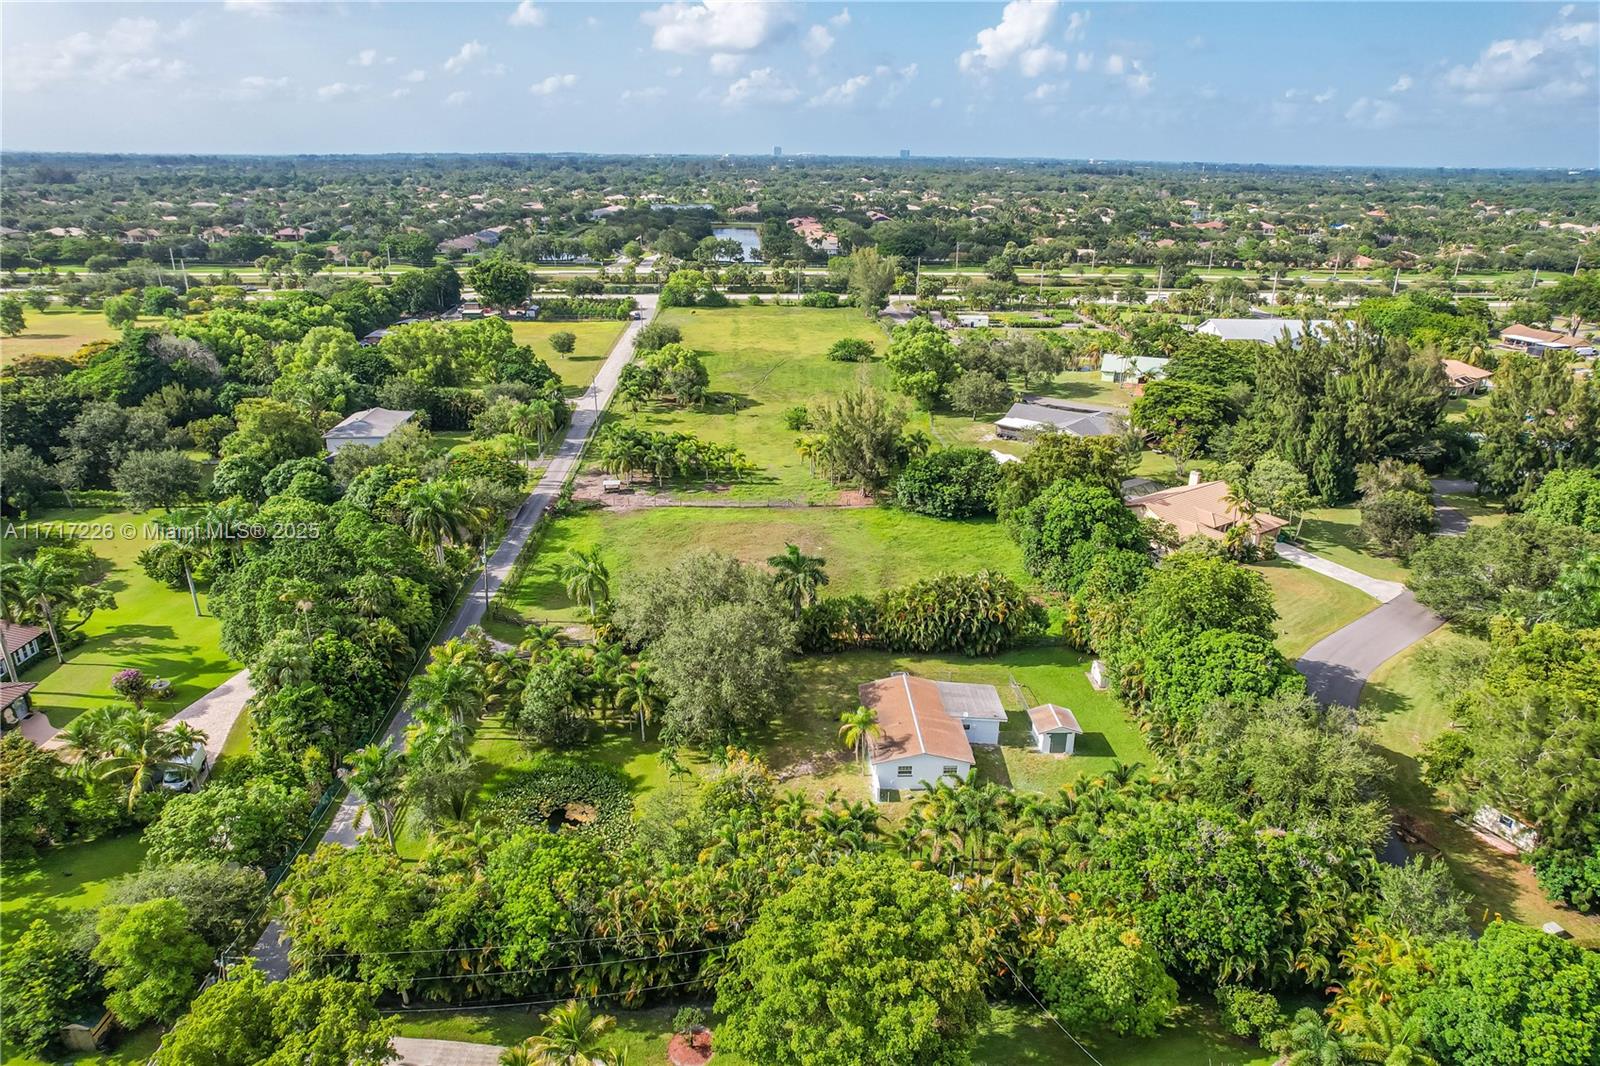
(1077,25)
(416,76)
(1373,113)
(818,40)
(399,93)
(257,87)
(527,14)
(1556,64)
(1324,96)
(252,7)
(886,81)
(335,90)
(1048,91)
(726,64)
(760,86)
(649,92)
(366,57)
(468,54)
(1018,38)
(553,84)
(1135,78)
(717,25)
(1402,84)
(457,98)
(843,94)
(127,50)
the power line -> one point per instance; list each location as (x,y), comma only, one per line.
(569,966)
(639,935)
(545,1002)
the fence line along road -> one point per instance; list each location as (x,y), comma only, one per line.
(270,952)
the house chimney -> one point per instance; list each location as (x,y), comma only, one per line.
(1194,478)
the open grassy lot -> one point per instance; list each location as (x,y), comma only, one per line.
(1310,606)
(64,882)
(1332,532)
(595,340)
(60,331)
(1015,1034)
(1409,707)
(867,548)
(153,628)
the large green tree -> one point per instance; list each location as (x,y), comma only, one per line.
(1101,974)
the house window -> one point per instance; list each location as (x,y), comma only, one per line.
(951,771)
(902,771)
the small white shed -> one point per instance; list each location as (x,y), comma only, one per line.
(1055,729)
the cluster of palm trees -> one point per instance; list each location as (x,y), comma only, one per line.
(626,450)
(41,590)
(608,682)
(130,746)
(441,513)
(573,1036)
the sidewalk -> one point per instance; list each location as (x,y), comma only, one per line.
(1377,588)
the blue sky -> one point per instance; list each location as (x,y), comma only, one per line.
(1478,84)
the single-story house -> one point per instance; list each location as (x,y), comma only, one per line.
(14,702)
(23,643)
(1039,415)
(926,729)
(1259,330)
(366,428)
(1538,341)
(1465,379)
(973,321)
(1131,369)
(1202,508)
(1054,729)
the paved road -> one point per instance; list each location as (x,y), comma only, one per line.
(1452,523)
(1377,588)
(347,826)
(1337,666)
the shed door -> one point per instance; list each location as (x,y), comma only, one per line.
(1058,743)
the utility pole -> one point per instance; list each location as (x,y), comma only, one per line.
(1457,273)
(1395,288)
(958,259)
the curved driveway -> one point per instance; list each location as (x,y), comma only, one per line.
(1338,665)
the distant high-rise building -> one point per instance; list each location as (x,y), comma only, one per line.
(905,153)
(777,150)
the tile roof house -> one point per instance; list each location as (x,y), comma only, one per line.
(1202,509)
(368,427)
(23,644)
(1537,341)
(1464,378)
(926,729)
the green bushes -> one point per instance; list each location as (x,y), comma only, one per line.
(581,308)
(974,614)
(953,483)
(584,797)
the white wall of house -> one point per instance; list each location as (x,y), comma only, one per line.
(981,730)
(1041,742)
(334,444)
(917,771)
(25,654)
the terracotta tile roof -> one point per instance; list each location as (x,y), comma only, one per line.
(11,691)
(1200,509)
(17,635)
(1049,718)
(1461,373)
(912,720)
(1543,337)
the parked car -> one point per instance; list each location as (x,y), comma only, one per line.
(183,777)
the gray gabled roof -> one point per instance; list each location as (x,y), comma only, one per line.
(1079,421)
(373,422)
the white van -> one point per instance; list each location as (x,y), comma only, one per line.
(186,774)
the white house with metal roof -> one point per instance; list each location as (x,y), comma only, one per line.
(1035,415)
(366,428)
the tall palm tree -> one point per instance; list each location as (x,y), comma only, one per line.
(636,689)
(857,727)
(798,575)
(377,773)
(448,689)
(436,514)
(87,738)
(141,750)
(573,1036)
(586,577)
(40,587)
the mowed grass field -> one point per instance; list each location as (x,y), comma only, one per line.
(60,331)
(866,548)
(577,370)
(1310,606)
(153,628)
(1408,707)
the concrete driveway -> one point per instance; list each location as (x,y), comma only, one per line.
(1379,589)
(216,713)
(417,1052)
(1337,667)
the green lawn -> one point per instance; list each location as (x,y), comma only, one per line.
(1014,1034)
(64,882)
(60,331)
(1332,532)
(577,371)
(152,627)
(808,734)
(1310,606)
(867,548)
(1409,707)
(129,1049)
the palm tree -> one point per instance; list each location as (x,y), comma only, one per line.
(437,514)
(87,738)
(798,575)
(40,586)
(857,727)
(586,577)
(376,774)
(636,689)
(1384,1034)
(450,690)
(810,449)
(141,750)
(573,1036)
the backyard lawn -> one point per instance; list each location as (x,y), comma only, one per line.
(63,882)
(1408,708)
(577,370)
(60,331)
(152,627)
(129,1049)
(1310,606)
(866,548)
